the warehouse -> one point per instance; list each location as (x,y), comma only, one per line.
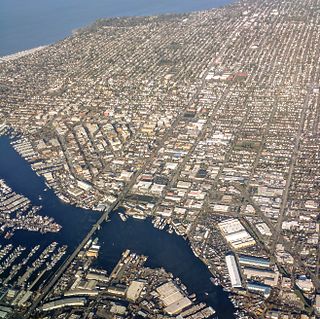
(260,288)
(172,298)
(61,303)
(134,290)
(268,276)
(235,234)
(81,292)
(178,306)
(233,271)
(254,261)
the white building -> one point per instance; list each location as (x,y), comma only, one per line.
(235,234)
(233,271)
(61,303)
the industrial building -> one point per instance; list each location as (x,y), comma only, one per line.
(317,304)
(61,303)
(233,271)
(134,290)
(260,288)
(268,276)
(172,298)
(254,261)
(235,234)
(117,291)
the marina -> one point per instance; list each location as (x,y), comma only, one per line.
(163,249)
(17,212)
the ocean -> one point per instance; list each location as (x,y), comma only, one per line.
(25,24)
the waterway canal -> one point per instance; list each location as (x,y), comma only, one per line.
(163,249)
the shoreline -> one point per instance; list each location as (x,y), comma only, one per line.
(20,54)
(114,211)
(138,13)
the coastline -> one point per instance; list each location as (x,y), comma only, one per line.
(62,19)
(20,54)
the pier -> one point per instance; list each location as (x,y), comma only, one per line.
(55,277)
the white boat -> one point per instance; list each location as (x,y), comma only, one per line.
(123,217)
(139,216)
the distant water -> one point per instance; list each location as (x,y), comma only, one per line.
(25,24)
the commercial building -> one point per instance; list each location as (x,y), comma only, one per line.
(5,312)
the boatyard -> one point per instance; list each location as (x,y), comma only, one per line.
(131,289)
(16,212)
(34,250)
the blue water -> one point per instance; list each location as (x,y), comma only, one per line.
(23,180)
(163,249)
(25,24)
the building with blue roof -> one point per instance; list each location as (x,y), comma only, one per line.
(254,261)
(260,288)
